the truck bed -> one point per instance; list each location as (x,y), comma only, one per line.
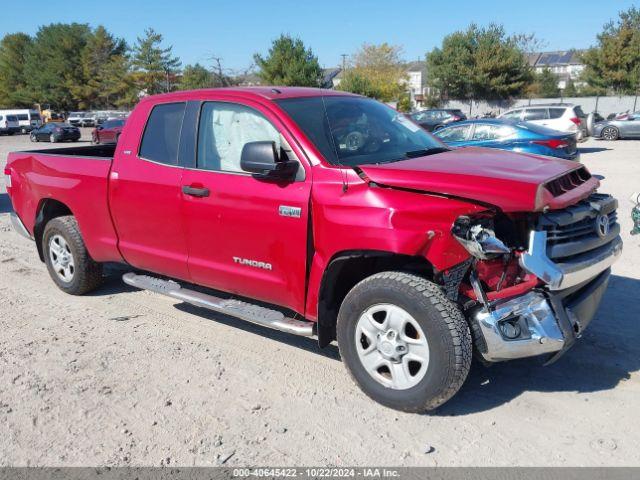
(89,151)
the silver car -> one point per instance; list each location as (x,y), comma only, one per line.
(627,127)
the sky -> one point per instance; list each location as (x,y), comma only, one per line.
(235,30)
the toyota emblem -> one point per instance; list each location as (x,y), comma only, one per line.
(602,225)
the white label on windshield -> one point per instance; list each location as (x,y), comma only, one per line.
(404,121)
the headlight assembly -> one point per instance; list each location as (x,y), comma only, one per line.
(478,237)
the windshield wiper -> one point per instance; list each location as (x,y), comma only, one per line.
(425,151)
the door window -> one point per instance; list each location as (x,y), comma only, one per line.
(514,114)
(225,128)
(556,112)
(491,132)
(454,134)
(535,114)
(162,133)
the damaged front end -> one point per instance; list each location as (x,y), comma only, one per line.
(534,281)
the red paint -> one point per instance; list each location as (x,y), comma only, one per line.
(133,210)
(107,134)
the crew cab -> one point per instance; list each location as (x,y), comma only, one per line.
(327,214)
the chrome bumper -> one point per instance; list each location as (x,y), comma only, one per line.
(559,276)
(539,322)
(19,227)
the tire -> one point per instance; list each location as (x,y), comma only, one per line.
(117,138)
(62,241)
(23,131)
(438,127)
(610,133)
(33,138)
(442,326)
(52,138)
(94,140)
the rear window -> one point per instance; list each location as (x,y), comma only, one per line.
(162,133)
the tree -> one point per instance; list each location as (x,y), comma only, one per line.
(195,76)
(404,103)
(480,63)
(570,89)
(289,62)
(53,64)
(153,65)
(376,71)
(13,82)
(614,63)
(546,84)
(98,62)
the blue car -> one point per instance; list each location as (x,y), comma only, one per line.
(510,135)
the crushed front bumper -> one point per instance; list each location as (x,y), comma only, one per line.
(539,322)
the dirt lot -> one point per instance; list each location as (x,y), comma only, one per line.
(126,377)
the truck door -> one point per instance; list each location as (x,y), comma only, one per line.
(245,235)
(144,190)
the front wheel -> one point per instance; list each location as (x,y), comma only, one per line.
(33,138)
(52,138)
(69,264)
(405,344)
(610,133)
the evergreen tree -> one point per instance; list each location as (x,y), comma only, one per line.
(289,62)
(195,76)
(13,83)
(153,65)
(547,84)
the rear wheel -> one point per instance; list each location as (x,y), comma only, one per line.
(405,344)
(610,133)
(67,259)
(52,138)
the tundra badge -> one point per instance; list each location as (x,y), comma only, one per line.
(286,211)
(252,263)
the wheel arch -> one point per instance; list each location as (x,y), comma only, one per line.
(48,209)
(346,269)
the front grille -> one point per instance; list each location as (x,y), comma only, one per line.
(577,229)
(568,181)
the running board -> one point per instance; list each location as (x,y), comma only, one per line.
(236,308)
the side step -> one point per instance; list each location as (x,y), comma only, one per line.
(236,308)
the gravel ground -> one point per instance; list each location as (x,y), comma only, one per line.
(126,377)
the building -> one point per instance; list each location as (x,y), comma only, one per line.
(565,64)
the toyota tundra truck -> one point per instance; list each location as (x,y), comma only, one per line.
(327,214)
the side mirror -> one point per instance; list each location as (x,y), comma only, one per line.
(263,160)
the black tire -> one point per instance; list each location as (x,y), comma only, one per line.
(94,140)
(445,328)
(87,275)
(438,127)
(117,138)
(610,133)
(33,138)
(52,138)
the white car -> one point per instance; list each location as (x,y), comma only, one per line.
(9,124)
(562,117)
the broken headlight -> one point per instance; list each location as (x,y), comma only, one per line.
(477,236)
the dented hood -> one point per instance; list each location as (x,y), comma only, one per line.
(513,182)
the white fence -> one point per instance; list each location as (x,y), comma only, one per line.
(603,105)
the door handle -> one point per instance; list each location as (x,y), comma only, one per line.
(195,191)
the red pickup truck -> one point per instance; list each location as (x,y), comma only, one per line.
(324,213)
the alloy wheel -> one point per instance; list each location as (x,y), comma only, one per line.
(61,258)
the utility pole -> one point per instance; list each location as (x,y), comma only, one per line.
(344,61)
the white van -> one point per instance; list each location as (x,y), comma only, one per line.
(28,119)
(8,123)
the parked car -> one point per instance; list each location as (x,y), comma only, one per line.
(108,132)
(75,118)
(435,119)
(333,215)
(635,213)
(56,132)
(507,135)
(563,117)
(627,127)
(8,124)
(28,119)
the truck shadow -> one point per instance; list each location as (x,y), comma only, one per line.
(5,203)
(607,354)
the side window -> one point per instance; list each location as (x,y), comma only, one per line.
(535,114)
(224,130)
(454,134)
(556,112)
(162,133)
(491,132)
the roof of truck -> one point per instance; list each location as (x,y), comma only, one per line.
(271,93)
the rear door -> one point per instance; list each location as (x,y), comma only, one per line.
(539,116)
(246,235)
(144,192)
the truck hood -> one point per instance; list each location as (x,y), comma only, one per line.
(513,182)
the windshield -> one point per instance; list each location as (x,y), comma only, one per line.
(357,131)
